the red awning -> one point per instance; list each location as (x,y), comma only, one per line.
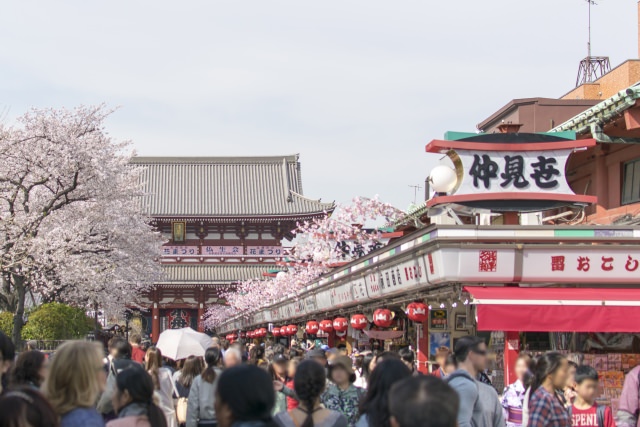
(557,309)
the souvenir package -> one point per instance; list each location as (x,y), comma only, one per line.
(614,361)
(600,362)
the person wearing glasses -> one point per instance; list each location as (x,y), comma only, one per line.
(471,356)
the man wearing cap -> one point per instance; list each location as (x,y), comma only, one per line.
(342,395)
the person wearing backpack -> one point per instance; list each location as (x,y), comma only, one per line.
(585,412)
(471,357)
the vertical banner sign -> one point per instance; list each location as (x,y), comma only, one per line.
(438,320)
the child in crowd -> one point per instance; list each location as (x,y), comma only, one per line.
(293,366)
(585,412)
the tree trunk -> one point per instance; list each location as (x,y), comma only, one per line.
(18,322)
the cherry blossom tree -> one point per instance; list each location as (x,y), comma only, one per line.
(71,224)
(321,245)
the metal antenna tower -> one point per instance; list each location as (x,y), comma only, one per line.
(592,68)
(416,188)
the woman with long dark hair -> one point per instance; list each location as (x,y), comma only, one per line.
(245,397)
(550,374)
(374,407)
(29,370)
(309,383)
(26,407)
(133,400)
(201,405)
(162,383)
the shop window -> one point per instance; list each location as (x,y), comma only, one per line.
(631,182)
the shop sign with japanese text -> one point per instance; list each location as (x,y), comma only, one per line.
(438,319)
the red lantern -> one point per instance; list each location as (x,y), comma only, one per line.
(263,332)
(359,321)
(229,337)
(250,334)
(284,332)
(340,324)
(326,326)
(242,335)
(382,318)
(312,327)
(292,330)
(418,312)
(276,332)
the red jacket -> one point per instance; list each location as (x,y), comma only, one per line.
(291,402)
(137,354)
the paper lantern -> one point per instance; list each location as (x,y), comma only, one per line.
(418,312)
(359,321)
(263,332)
(250,334)
(283,331)
(340,324)
(326,326)
(312,327)
(276,331)
(382,317)
(292,330)
(242,334)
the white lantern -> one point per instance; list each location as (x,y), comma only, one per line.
(443,179)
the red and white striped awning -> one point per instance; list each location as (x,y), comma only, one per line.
(557,309)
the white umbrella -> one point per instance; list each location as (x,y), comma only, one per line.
(179,344)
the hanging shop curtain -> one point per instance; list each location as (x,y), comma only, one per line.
(556,309)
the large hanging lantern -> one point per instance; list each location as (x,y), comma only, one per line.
(292,330)
(326,326)
(417,312)
(359,321)
(382,317)
(263,332)
(251,334)
(340,324)
(242,335)
(276,331)
(312,327)
(283,331)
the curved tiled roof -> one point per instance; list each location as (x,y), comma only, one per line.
(208,274)
(225,187)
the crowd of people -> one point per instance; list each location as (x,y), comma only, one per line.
(258,385)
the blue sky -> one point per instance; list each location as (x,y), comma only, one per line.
(357,88)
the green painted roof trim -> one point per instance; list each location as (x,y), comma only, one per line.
(456,136)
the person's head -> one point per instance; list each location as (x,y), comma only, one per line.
(215,342)
(341,371)
(342,349)
(135,386)
(296,352)
(522,366)
(256,354)
(309,383)
(135,339)
(441,355)
(191,368)
(30,369)
(386,355)
(552,369)
(153,359)
(32,345)
(244,393)
(293,366)
(368,365)
(408,357)
(279,366)
(212,359)
(76,376)
(232,357)
(376,402)
(471,354)
(571,379)
(319,356)
(449,365)
(587,383)
(423,401)
(121,349)
(7,353)
(25,407)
